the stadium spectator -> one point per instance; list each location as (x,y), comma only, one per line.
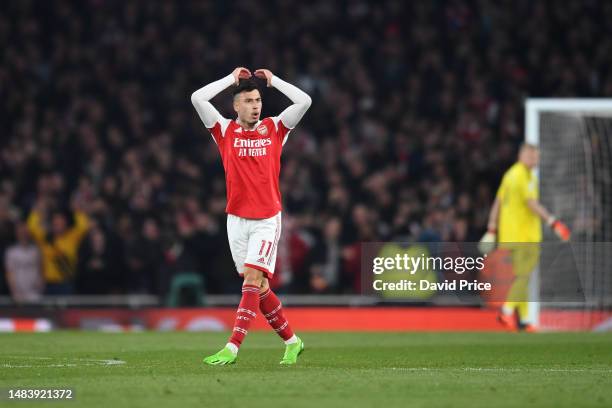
(325,269)
(23,265)
(145,258)
(101,268)
(6,238)
(58,234)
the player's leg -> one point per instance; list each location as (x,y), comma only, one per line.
(530,257)
(271,307)
(507,312)
(525,257)
(261,255)
(248,307)
(237,235)
(246,313)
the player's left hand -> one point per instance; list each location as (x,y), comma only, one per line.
(265,74)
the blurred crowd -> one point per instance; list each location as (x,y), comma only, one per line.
(417,111)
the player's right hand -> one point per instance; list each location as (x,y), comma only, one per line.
(487,242)
(241,73)
(561,230)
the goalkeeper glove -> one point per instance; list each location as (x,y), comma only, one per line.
(559,228)
(487,242)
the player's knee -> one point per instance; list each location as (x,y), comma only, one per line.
(253,277)
(265,285)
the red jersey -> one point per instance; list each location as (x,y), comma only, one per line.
(251,159)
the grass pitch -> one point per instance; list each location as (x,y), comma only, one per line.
(151,369)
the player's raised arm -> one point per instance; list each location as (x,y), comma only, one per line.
(201,98)
(301,101)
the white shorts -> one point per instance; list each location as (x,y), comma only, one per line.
(254,243)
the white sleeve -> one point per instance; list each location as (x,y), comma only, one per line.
(301,102)
(200,100)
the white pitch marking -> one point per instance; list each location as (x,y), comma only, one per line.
(85,362)
(503,369)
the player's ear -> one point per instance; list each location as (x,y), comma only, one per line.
(236,104)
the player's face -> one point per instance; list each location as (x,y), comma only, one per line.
(248,106)
(531,157)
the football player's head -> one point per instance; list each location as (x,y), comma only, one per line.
(529,155)
(247,101)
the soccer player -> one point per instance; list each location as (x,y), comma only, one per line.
(514,221)
(250,149)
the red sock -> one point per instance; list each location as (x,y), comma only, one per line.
(271,307)
(247,311)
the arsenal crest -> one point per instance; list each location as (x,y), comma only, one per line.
(262,130)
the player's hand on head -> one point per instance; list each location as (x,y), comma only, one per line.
(241,73)
(265,74)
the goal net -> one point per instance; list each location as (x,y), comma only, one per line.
(572,289)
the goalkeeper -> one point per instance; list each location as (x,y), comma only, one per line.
(514,222)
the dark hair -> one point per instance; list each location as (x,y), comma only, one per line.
(65,212)
(245,85)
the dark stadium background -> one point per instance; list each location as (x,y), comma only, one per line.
(417,110)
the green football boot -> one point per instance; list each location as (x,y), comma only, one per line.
(223,357)
(292,351)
